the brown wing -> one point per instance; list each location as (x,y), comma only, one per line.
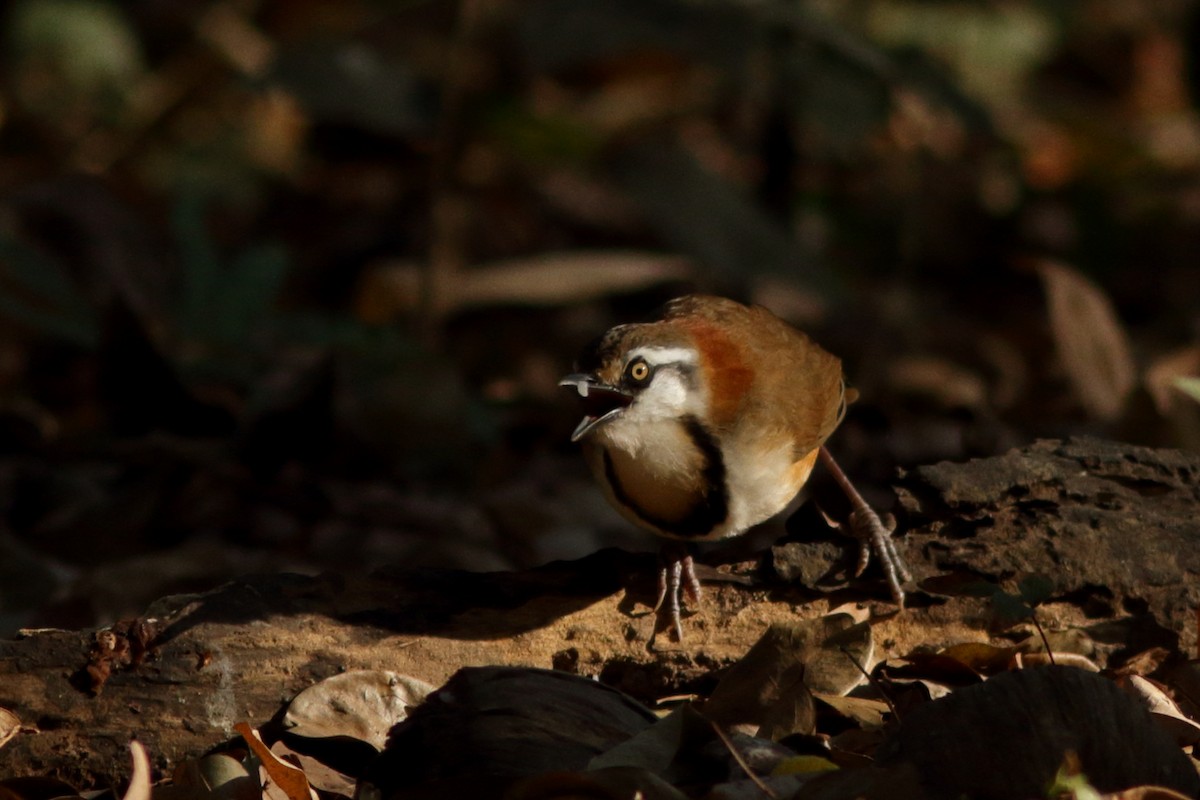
(797,385)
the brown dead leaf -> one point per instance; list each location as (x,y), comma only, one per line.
(934,667)
(866,712)
(289,779)
(783,665)
(1091,342)
(792,712)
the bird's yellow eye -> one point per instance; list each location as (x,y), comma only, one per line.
(638,372)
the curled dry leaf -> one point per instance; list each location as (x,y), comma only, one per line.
(1041,659)
(1091,342)
(363,704)
(139,782)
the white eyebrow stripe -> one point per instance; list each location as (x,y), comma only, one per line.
(665,355)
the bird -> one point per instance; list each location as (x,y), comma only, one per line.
(709,420)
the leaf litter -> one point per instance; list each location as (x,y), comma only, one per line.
(763,730)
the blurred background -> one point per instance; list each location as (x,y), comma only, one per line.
(289,285)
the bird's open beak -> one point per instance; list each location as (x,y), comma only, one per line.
(600,401)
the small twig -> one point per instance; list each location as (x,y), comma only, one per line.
(741,762)
(875,682)
(1042,633)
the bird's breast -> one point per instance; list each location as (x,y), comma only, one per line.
(668,477)
(678,480)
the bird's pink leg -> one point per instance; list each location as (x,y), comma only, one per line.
(676,576)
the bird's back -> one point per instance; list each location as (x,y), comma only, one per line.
(764,372)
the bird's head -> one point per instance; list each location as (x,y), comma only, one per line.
(640,374)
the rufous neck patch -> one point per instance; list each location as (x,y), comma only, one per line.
(726,372)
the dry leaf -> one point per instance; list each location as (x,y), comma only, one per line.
(1091,342)
(320,776)
(786,661)
(1039,659)
(139,782)
(363,704)
(1145,662)
(286,777)
(551,279)
(1162,708)
(10,724)
(981,657)
(866,712)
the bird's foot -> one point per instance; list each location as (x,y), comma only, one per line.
(676,576)
(874,534)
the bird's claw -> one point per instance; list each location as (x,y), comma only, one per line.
(875,534)
(677,576)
